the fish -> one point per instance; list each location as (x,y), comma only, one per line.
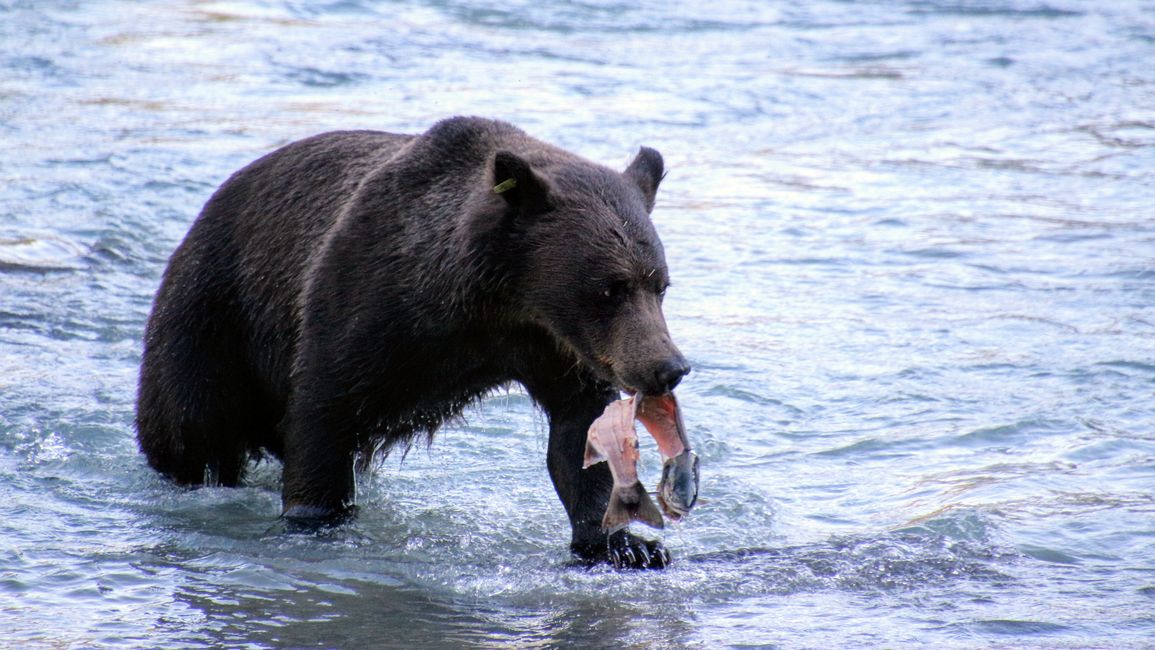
(678,489)
(612,438)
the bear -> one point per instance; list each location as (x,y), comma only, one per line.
(351,291)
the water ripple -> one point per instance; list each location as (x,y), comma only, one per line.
(41,253)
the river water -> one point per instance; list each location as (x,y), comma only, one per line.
(913,254)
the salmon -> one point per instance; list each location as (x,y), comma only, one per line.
(678,489)
(612,438)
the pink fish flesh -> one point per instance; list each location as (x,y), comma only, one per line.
(612,438)
(678,489)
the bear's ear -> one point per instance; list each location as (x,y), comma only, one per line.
(647,171)
(517,183)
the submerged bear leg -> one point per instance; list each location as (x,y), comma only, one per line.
(318,477)
(197,417)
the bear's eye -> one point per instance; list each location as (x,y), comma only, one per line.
(614,290)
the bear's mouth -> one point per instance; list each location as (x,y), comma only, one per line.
(605,368)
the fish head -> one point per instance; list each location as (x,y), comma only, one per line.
(678,489)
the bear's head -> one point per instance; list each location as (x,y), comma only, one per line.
(593,272)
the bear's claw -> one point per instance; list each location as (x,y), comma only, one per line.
(624,551)
(633,552)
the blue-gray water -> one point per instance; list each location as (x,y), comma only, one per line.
(913,253)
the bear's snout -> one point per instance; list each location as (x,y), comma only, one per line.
(644,358)
(669,374)
(656,378)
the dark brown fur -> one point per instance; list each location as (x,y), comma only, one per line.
(355,289)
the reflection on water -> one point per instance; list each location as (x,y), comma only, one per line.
(912,256)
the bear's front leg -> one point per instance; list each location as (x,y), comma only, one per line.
(586,492)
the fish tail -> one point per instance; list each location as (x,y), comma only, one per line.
(631,503)
(648,513)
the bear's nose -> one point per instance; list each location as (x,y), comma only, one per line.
(670,373)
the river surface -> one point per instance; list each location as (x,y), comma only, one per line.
(913,253)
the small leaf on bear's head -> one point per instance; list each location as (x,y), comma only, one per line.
(507,184)
(521,188)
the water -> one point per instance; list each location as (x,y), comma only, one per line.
(913,253)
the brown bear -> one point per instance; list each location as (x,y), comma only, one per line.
(352,290)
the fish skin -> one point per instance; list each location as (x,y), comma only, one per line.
(612,438)
(663,419)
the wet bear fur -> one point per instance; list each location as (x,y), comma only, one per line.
(352,290)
